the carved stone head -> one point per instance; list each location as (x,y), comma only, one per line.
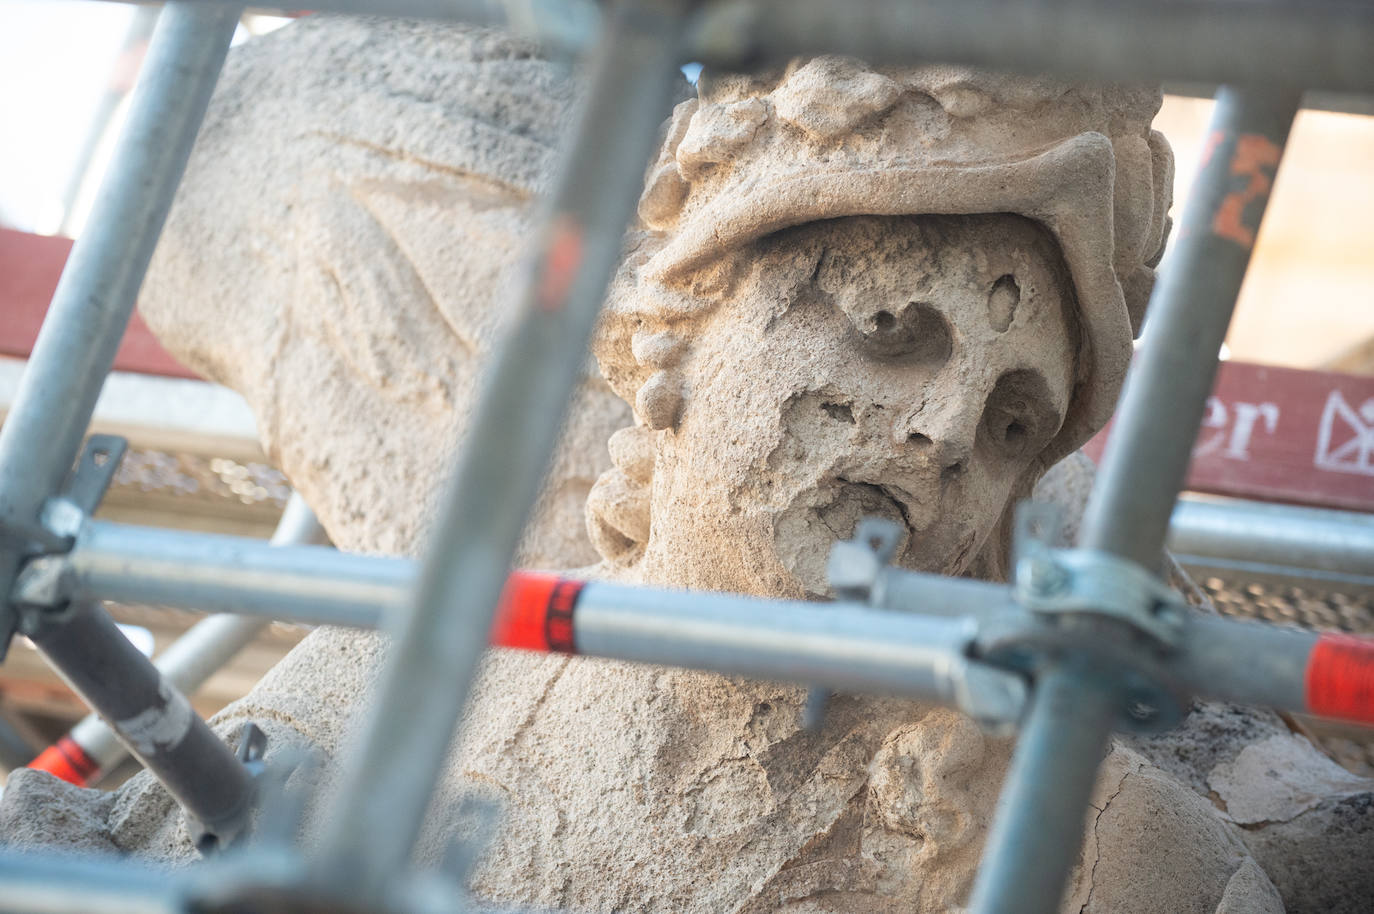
(897,292)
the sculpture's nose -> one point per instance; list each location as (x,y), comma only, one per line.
(951,458)
(942,437)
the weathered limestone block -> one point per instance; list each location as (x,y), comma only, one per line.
(900,292)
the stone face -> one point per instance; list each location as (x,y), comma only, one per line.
(851,292)
(885,390)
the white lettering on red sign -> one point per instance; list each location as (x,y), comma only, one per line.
(1235,427)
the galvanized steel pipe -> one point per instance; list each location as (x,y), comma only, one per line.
(1147,456)
(91,749)
(1137,485)
(373,820)
(95,296)
(1314,545)
(1266,43)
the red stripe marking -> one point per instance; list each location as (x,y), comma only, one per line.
(561,263)
(1340,678)
(66,759)
(536,613)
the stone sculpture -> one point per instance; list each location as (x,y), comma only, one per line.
(900,292)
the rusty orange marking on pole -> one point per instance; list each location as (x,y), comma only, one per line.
(560,264)
(1256,157)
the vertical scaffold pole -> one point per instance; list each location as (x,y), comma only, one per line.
(1148,454)
(374,818)
(95,296)
(1142,471)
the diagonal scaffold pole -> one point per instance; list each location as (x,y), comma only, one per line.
(91,750)
(1038,828)
(95,297)
(374,818)
(43,432)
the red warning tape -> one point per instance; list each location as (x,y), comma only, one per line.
(66,759)
(1340,677)
(536,613)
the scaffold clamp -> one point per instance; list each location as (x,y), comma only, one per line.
(45,579)
(1050,582)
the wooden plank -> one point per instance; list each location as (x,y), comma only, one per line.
(1283,434)
(30,266)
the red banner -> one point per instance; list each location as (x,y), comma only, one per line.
(1282,434)
(29,269)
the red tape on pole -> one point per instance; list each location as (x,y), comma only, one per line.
(1340,678)
(66,759)
(536,613)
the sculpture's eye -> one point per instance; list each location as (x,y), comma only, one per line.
(1018,418)
(916,333)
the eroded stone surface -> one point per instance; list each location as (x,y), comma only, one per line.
(1154,845)
(1278,779)
(355,205)
(39,807)
(896,292)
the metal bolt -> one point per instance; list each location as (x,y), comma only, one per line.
(1041,576)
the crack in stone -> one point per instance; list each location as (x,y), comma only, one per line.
(1097,850)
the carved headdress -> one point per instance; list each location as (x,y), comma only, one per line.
(828,138)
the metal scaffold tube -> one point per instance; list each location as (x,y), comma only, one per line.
(1040,811)
(1320,44)
(95,296)
(155,721)
(216,573)
(1313,546)
(1274,43)
(1137,485)
(92,749)
(52,408)
(373,820)
(1217,658)
(1147,457)
(37,883)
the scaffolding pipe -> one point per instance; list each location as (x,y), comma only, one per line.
(1312,546)
(52,408)
(76,346)
(1319,44)
(154,720)
(1147,457)
(373,820)
(558,25)
(1140,476)
(321,586)
(1040,809)
(37,883)
(1271,43)
(1220,659)
(315,585)
(92,749)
